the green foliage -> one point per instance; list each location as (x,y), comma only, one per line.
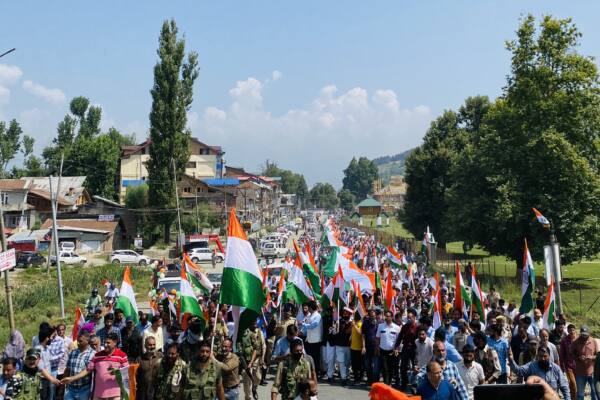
(323,195)
(347,199)
(359,177)
(171,99)
(198,218)
(539,148)
(9,142)
(291,182)
(136,199)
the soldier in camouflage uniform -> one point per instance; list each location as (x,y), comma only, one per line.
(253,345)
(286,320)
(203,378)
(27,384)
(298,367)
(191,338)
(169,375)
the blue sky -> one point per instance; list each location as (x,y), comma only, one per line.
(308,84)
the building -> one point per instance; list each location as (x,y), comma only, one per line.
(205,162)
(369,206)
(28,199)
(392,195)
(90,234)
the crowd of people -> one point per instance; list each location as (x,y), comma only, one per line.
(298,346)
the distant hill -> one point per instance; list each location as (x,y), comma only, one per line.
(391,165)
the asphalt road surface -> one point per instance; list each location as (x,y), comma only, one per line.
(326,391)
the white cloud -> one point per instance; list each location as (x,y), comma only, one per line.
(4,95)
(52,96)
(276,75)
(9,74)
(317,140)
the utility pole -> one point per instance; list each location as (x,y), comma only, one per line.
(7,286)
(180,238)
(52,245)
(55,236)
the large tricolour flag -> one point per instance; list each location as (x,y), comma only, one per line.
(196,276)
(396,260)
(297,288)
(527,282)
(241,284)
(303,261)
(126,301)
(548,317)
(188,303)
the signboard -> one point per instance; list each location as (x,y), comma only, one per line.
(8,260)
(106,218)
(137,242)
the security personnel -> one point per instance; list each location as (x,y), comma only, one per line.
(203,376)
(169,375)
(286,320)
(230,368)
(292,370)
(28,382)
(253,345)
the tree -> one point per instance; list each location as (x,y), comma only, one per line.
(291,182)
(538,148)
(171,100)
(32,165)
(359,177)
(9,142)
(346,199)
(323,195)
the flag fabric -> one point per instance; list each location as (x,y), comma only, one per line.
(360,303)
(527,283)
(297,287)
(188,304)
(281,286)
(437,303)
(336,290)
(77,324)
(477,295)
(196,277)
(330,266)
(241,284)
(541,219)
(395,258)
(303,261)
(126,301)
(462,299)
(126,378)
(389,293)
(549,304)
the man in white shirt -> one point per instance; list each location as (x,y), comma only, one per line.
(470,371)
(157,332)
(385,341)
(313,329)
(424,351)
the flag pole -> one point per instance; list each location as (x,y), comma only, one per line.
(212,340)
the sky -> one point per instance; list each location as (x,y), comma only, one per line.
(307,84)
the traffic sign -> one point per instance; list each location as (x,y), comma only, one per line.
(8,259)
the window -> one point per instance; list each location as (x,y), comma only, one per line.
(4,198)
(191,164)
(187,189)
(199,189)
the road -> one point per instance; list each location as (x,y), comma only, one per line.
(326,391)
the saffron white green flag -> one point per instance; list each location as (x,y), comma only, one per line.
(188,303)
(126,300)
(241,284)
(548,317)
(527,283)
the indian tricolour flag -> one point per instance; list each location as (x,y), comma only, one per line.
(527,283)
(77,324)
(304,262)
(336,290)
(188,303)
(360,303)
(477,295)
(462,299)
(396,260)
(297,288)
(196,276)
(437,303)
(241,284)
(548,317)
(126,301)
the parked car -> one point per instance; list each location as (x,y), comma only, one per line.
(28,258)
(129,257)
(273,250)
(67,246)
(202,244)
(215,278)
(205,254)
(68,257)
